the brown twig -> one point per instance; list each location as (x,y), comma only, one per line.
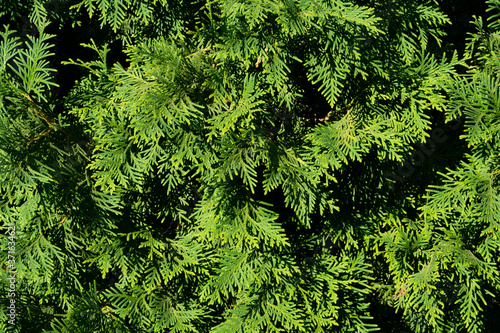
(202,51)
(333,114)
(49,121)
(40,136)
(60,222)
(401,293)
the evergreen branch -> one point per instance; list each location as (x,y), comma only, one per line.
(51,123)
(39,136)
(203,50)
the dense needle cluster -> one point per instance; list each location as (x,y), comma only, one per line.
(249,166)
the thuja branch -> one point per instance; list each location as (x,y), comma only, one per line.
(49,122)
(40,136)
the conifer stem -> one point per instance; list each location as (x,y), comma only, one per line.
(40,136)
(49,122)
(60,222)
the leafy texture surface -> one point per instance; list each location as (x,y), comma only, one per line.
(249,166)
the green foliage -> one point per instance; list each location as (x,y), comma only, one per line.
(231,174)
(454,243)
